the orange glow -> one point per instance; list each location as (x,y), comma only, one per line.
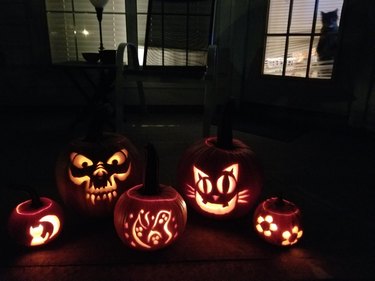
(148,230)
(37,232)
(104,193)
(204,188)
(266,225)
(25,205)
(291,238)
(278,222)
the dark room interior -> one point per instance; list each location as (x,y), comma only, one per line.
(299,76)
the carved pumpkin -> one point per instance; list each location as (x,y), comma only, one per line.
(150,216)
(36,222)
(278,222)
(220,177)
(93,172)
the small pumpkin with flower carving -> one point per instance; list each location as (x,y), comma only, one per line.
(278,221)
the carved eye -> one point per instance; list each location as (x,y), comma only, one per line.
(80,161)
(228,181)
(118,158)
(202,181)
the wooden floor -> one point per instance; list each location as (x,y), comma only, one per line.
(328,173)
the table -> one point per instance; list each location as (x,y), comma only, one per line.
(95,82)
(99,76)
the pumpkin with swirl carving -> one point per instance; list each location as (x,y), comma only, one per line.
(150,216)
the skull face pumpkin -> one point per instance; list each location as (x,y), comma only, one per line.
(92,175)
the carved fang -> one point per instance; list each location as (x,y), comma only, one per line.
(93,199)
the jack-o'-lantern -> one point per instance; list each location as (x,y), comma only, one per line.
(278,221)
(220,177)
(150,216)
(36,222)
(93,172)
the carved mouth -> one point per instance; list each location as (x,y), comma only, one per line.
(105,193)
(214,208)
(103,190)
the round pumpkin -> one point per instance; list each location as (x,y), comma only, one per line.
(220,177)
(150,216)
(36,222)
(92,173)
(278,222)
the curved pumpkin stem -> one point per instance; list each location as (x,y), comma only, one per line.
(151,172)
(280,201)
(36,203)
(224,129)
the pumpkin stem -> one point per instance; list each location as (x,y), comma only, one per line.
(151,172)
(224,129)
(98,119)
(36,203)
(280,200)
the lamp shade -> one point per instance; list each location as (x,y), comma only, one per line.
(99,3)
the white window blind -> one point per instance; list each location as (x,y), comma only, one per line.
(74,28)
(292,36)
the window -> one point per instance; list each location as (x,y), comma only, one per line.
(74,28)
(297,43)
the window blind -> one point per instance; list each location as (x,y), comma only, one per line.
(292,35)
(74,28)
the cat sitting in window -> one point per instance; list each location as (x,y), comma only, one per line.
(327,44)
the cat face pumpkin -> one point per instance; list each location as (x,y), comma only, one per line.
(218,195)
(220,183)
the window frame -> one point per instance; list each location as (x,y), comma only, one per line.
(313,34)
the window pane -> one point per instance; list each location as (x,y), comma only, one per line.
(141,20)
(328,6)
(88,37)
(278,16)
(200,7)
(198,32)
(114,31)
(61,37)
(73,29)
(298,52)
(58,5)
(197,58)
(174,57)
(112,6)
(154,56)
(174,7)
(302,16)
(87,31)
(274,60)
(320,69)
(324,47)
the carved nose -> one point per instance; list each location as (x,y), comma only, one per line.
(99,172)
(100,176)
(215,197)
